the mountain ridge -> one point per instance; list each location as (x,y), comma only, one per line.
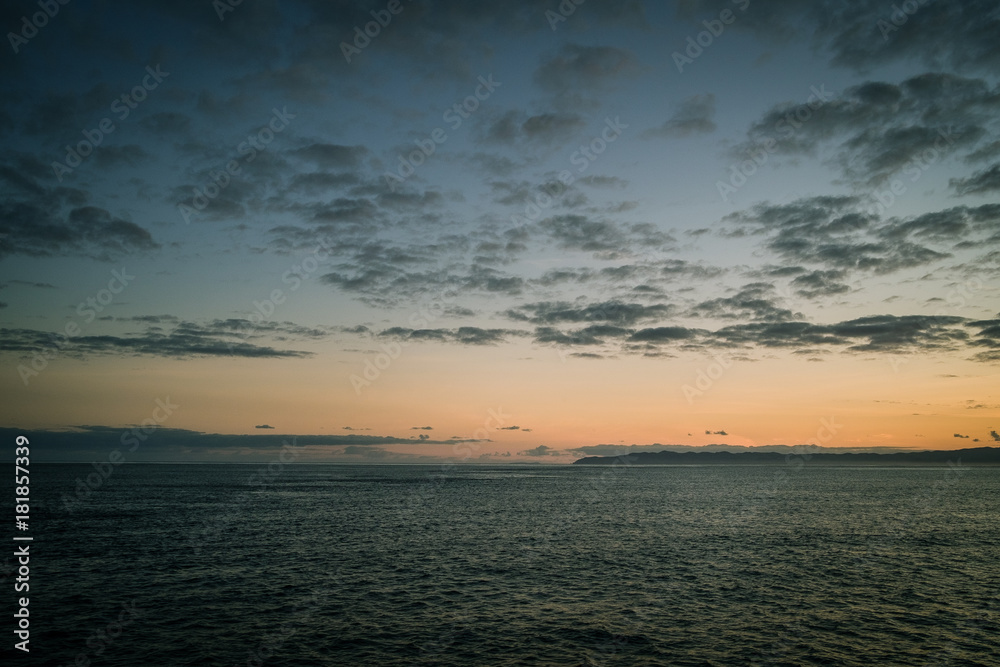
(971,455)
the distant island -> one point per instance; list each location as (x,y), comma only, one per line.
(970,456)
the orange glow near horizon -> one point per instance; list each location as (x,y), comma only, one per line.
(844,402)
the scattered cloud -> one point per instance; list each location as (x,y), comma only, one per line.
(695,115)
(539,451)
(981,182)
(220,338)
(461,335)
(875,130)
(41,220)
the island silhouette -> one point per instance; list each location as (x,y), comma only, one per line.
(969,456)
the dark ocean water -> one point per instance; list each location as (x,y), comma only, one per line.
(516,565)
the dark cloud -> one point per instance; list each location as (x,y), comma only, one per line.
(663,334)
(36,230)
(875,130)
(167,123)
(875,334)
(617,312)
(988,337)
(981,182)
(63,114)
(331,156)
(523,129)
(984,153)
(862,34)
(881,333)
(152,319)
(220,208)
(45,221)
(522,193)
(394,275)
(694,116)
(264,426)
(755,301)
(130,155)
(539,451)
(598,334)
(549,127)
(27,283)
(577,70)
(604,238)
(497,166)
(647,278)
(597,181)
(421,428)
(679,269)
(842,233)
(318,182)
(820,283)
(89,442)
(221,338)
(461,335)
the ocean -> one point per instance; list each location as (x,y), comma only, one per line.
(513,565)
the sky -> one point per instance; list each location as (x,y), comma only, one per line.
(421,231)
